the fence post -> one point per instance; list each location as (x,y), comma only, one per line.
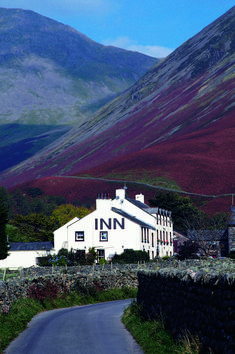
(4,274)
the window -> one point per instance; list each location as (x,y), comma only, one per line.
(152,240)
(79,236)
(103,235)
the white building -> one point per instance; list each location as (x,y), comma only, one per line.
(119,224)
(26,254)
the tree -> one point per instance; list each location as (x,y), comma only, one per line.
(182,208)
(188,250)
(3,236)
(65,213)
(33,228)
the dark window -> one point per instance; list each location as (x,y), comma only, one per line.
(103,235)
(79,236)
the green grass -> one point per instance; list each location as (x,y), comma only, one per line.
(23,310)
(144,176)
(152,336)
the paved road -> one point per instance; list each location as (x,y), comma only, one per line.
(91,329)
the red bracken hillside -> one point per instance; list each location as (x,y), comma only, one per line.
(201,162)
(85,191)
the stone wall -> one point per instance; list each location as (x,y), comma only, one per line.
(67,279)
(197,302)
(197,296)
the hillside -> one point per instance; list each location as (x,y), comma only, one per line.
(53,75)
(174,127)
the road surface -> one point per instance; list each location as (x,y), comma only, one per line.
(90,329)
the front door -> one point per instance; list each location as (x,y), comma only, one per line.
(100,254)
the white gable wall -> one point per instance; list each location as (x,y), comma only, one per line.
(61,235)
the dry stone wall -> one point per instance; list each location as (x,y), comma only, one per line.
(198,302)
(197,296)
(67,280)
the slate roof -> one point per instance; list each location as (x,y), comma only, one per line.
(31,246)
(137,203)
(132,218)
(145,207)
(206,235)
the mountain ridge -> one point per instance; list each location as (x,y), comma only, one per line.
(46,58)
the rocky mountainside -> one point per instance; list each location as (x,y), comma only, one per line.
(52,74)
(175,126)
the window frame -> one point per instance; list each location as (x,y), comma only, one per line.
(106,239)
(80,239)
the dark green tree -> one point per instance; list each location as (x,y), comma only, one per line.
(3,236)
(33,228)
(184,212)
(188,250)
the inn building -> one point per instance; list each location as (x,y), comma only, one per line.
(119,224)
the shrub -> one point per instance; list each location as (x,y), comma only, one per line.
(102,261)
(41,291)
(131,256)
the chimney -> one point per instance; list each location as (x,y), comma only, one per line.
(140,198)
(120,193)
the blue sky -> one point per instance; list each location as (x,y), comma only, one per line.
(153,27)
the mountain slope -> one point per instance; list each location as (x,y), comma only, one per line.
(170,121)
(51,73)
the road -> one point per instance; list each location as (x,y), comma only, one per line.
(90,329)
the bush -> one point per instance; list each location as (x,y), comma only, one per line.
(232,255)
(131,256)
(41,291)
(102,261)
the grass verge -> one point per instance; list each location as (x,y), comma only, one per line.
(152,336)
(23,310)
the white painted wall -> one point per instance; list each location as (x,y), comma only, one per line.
(23,259)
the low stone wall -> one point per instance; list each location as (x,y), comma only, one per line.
(197,302)
(66,280)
